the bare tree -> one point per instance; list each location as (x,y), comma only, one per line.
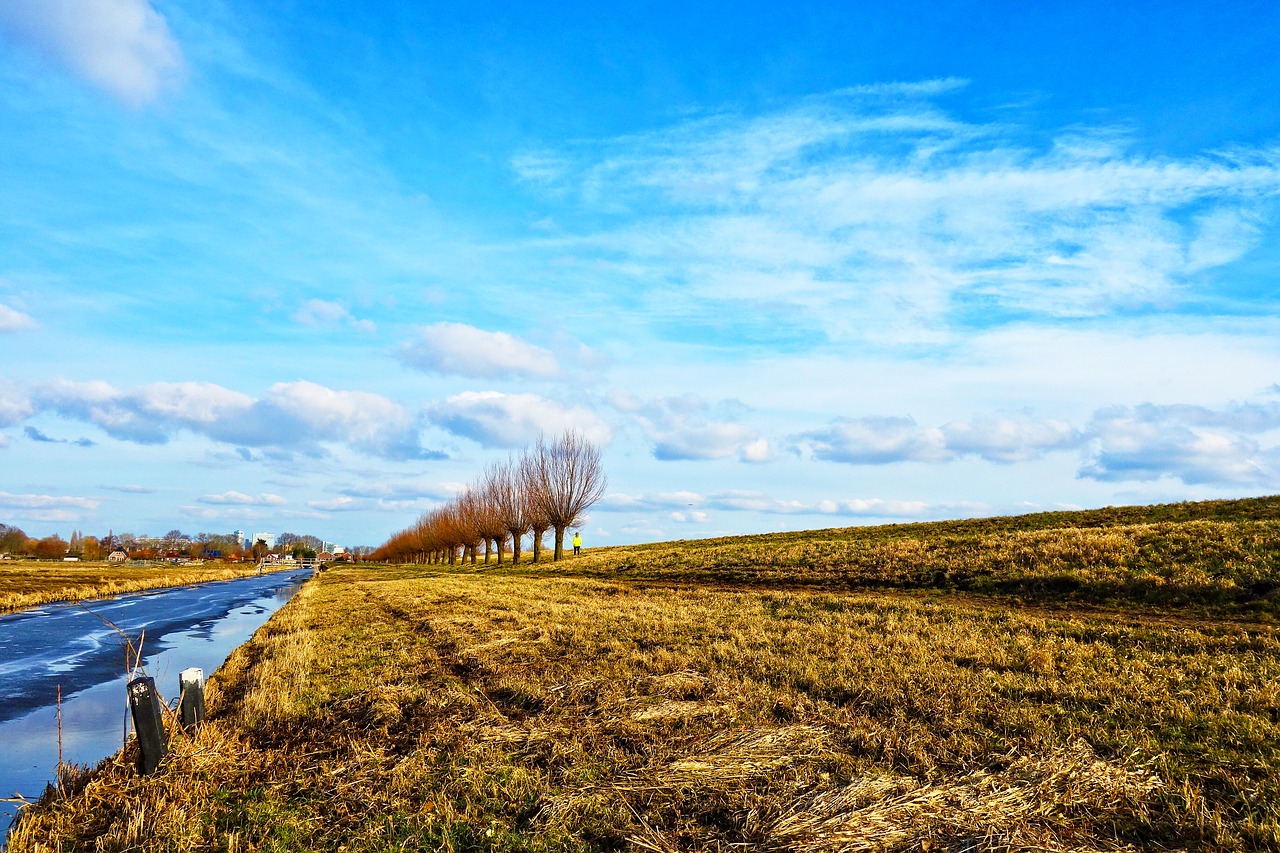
(507,493)
(488,517)
(534,514)
(550,487)
(466,512)
(569,479)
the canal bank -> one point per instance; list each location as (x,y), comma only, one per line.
(76,652)
(31,583)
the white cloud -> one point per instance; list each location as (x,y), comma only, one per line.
(757,450)
(686,427)
(15,404)
(148,414)
(703,441)
(1236,444)
(12,320)
(494,419)
(238,513)
(297,416)
(45,507)
(365,421)
(878,508)
(462,350)
(876,441)
(341,504)
(694,517)
(401,492)
(619,502)
(241,499)
(692,506)
(1194,444)
(1004,439)
(885,440)
(321,313)
(122,46)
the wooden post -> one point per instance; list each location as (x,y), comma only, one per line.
(153,741)
(191,689)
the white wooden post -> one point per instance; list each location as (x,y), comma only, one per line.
(191,689)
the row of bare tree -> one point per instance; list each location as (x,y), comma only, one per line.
(548,487)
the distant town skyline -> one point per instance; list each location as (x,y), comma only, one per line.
(274,266)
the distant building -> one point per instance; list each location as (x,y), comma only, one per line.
(118,555)
(243,542)
(269,538)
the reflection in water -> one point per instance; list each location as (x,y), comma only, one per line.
(87,662)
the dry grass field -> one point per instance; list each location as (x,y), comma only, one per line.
(28,583)
(666,708)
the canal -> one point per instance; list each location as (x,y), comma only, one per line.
(74,648)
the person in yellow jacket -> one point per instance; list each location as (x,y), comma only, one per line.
(577,542)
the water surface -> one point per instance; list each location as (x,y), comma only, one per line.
(73,648)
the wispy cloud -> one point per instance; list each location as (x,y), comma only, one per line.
(13,320)
(122,46)
(324,314)
(235,498)
(888,208)
(462,350)
(130,489)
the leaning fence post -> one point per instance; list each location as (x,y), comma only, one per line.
(153,742)
(191,689)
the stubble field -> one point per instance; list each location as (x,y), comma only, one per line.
(612,703)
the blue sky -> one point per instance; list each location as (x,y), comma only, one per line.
(310,266)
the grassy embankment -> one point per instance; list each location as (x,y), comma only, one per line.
(28,583)
(751,692)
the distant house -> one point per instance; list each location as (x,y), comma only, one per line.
(70,559)
(117,555)
(325,557)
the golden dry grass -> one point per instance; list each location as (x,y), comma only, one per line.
(1231,566)
(430,710)
(28,583)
